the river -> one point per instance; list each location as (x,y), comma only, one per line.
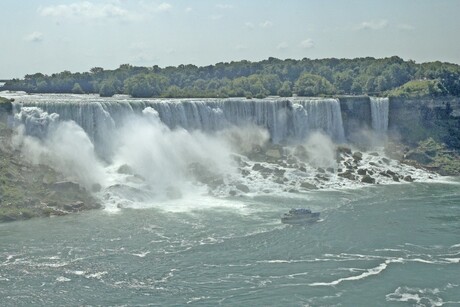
(391,245)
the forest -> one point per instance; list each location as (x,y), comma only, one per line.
(390,76)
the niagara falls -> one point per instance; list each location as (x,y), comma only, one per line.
(242,154)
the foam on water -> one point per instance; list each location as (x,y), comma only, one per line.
(421,296)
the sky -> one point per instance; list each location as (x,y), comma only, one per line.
(51,36)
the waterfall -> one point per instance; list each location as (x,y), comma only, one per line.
(286,120)
(379,112)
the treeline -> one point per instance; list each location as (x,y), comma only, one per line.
(306,77)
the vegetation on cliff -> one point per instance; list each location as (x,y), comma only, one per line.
(387,76)
(419,88)
(428,154)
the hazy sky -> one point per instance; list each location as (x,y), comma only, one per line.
(55,35)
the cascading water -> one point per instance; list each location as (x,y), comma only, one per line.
(286,120)
(139,150)
(379,112)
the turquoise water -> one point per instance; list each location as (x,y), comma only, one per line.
(386,245)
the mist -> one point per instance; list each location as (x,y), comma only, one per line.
(64,146)
(162,156)
(320,150)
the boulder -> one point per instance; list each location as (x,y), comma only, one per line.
(362,171)
(242,187)
(308,186)
(391,173)
(408,178)
(357,156)
(74,207)
(258,167)
(245,172)
(274,153)
(368,179)
(344,150)
(347,174)
(279,171)
(125,169)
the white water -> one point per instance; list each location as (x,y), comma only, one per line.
(379,113)
(286,120)
(144,152)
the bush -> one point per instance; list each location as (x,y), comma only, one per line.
(419,88)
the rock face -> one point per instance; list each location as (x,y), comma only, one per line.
(356,116)
(28,191)
(429,154)
(415,120)
(6,108)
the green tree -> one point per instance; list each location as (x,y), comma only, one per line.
(313,85)
(343,81)
(145,85)
(76,89)
(285,90)
(107,89)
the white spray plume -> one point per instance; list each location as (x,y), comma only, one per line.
(162,155)
(242,139)
(320,150)
(63,146)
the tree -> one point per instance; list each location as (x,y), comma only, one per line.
(313,85)
(96,70)
(285,90)
(76,89)
(343,81)
(245,78)
(107,89)
(145,85)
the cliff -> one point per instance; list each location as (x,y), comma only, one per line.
(356,116)
(429,130)
(28,190)
(415,119)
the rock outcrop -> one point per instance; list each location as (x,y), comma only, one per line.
(28,190)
